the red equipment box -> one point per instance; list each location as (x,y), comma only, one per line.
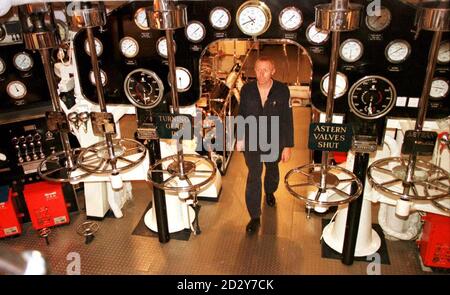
(46,204)
(9,222)
(435,241)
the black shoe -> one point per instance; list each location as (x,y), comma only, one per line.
(253,225)
(270,200)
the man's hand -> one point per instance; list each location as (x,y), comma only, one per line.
(240,145)
(286,154)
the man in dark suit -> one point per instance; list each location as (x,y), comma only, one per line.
(266,99)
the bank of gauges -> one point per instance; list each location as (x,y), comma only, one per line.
(341,85)
(143,88)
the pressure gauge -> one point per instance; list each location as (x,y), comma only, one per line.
(98,47)
(63,30)
(372,97)
(103,76)
(351,50)
(253,18)
(2,66)
(379,20)
(444,53)
(184,79)
(23,61)
(129,47)
(220,18)
(439,88)
(140,19)
(290,18)
(341,84)
(16,90)
(195,31)
(143,88)
(161,46)
(315,36)
(397,51)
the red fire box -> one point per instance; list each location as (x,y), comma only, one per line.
(46,204)
(435,241)
(9,222)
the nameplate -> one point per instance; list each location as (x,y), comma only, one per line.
(330,137)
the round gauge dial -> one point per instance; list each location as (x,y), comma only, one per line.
(439,88)
(184,79)
(140,19)
(379,21)
(341,84)
(290,18)
(315,36)
(372,97)
(103,76)
(63,30)
(98,47)
(220,18)
(129,47)
(351,50)
(161,46)
(253,18)
(23,61)
(2,66)
(195,31)
(143,88)
(397,51)
(444,53)
(16,90)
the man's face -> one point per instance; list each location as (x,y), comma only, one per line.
(264,71)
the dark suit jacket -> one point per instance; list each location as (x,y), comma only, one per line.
(277,104)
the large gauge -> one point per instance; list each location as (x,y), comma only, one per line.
(253,18)
(444,53)
(16,90)
(351,50)
(379,21)
(184,79)
(143,88)
(372,97)
(341,85)
(161,46)
(129,47)
(98,47)
(23,61)
(439,88)
(220,18)
(290,18)
(195,31)
(103,77)
(140,19)
(2,66)
(315,36)
(397,51)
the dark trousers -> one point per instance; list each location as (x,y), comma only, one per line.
(253,188)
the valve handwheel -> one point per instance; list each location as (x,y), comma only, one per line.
(55,168)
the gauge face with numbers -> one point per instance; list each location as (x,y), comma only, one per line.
(195,31)
(103,76)
(372,97)
(253,18)
(378,19)
(315,36)
(341,85)
(129,47)
(351,50)
(2,66)
(184,79)
(140,19)
(16,90)
(144,88)
(290,18)
(161,46)
(98,47)
(220,18)
(397,51)
(439,88)
(444,53)
(23,61)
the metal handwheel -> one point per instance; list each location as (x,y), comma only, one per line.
(56,168)
(186,181)
(304,183)
(443,204)
(429,182)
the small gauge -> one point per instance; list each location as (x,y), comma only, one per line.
(220,18)
(161,46)
(63,30)
(315,36)
(397,51)
(103,76)
(195,31)
(184,79)
(2,66)
(143,88)
(253,18)
(140,19)
(444,53)
(439,88)
(379,21)
(372,97)
(129,47)
(98,47)
(351,50)
(290,18)
(341,84)
(16,90)
(23,61)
